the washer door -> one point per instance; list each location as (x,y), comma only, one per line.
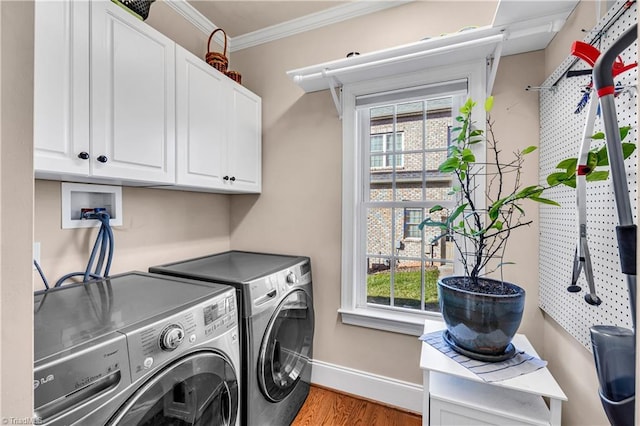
(200,389)
(286,346)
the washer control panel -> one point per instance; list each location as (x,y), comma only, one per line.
(172,334)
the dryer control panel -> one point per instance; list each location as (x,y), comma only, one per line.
(268,290)
(166,338)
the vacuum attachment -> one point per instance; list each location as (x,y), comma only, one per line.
(615,353)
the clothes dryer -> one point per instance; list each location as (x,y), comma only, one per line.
(277,327)
(137,349)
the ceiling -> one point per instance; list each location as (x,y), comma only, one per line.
(529,24)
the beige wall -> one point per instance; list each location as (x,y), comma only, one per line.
(166,20)
(159,226)
(16,213)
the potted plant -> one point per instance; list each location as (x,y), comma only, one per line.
(482,314)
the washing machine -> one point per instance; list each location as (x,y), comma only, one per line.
(137,349)
(277,326)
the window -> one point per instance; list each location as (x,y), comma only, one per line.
(385,143)
(395,135)
(402,267)
(412,218)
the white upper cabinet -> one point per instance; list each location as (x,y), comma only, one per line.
(201,122)
(218,128)
(61,88)
(245,140)
(117,101)
(133,97)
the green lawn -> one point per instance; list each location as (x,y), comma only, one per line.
(406,285)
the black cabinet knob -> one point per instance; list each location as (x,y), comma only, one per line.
(233,178)
(102,158)
(226,178)
(83,155)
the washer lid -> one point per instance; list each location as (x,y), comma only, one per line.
(232,267)
(72,315)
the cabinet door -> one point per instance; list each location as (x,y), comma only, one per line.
(201,126)
(245,140)
(132,98)
(61,88)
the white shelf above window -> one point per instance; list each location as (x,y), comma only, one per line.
(517,27)
(446,50)
(467,46)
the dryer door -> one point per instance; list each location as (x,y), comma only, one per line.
(200,389)
(286,346)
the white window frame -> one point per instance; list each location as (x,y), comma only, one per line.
(382,154)
(352,310)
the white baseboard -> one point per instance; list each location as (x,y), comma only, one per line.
(398,393)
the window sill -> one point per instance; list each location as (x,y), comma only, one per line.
(380,319)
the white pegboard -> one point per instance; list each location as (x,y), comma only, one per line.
(560,136)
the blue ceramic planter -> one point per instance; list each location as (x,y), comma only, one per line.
(479,323)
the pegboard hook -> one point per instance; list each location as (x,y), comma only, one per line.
(540,88)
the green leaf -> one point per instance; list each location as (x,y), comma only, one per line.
(494,211)
(529,191)
(603,155)
(598,136)
(627,149)
(463,175)
(488,104)
(571,182)
(454,190)
(592,160)
(624,131)
(475,132)
(603,158)
(557,178)
(467,155)
(457,212)
(597,176)
(498,225)
(449,165)
(569,164)
(467,107)
(436,208)
(529,149)
(544,201)
(430,222)
(475,141)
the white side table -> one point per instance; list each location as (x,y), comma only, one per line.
(453,395)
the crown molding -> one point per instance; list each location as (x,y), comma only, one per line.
(295,26)
(197,19)
(310,22)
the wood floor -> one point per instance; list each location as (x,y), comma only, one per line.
(325,407)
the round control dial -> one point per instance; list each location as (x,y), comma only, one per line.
(171,337)
(291,278)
